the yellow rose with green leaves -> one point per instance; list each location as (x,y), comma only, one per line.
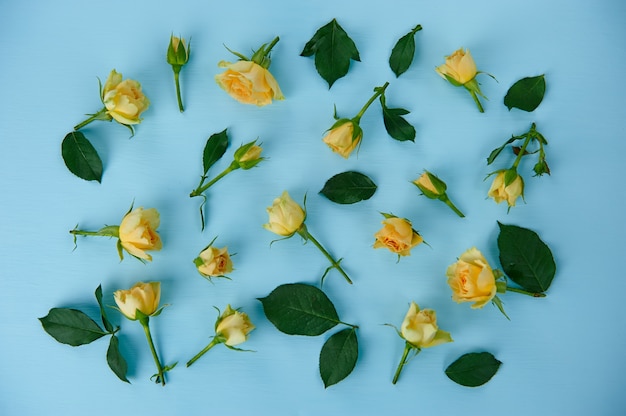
(343,137)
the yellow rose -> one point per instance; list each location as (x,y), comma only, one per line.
(214,262)
(501,191)
(459,67)
(342,138)
(124,100)
(233,326)
(420,329)
(472,279)
(285,216)
(398,236)
(144,297)
(248,83)
(176,56)
(138,234)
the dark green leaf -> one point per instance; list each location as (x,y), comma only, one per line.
(526,94)
(300,309)
(333,51)
(103,315)
(403,52)
(396,125)
(71,326)
(496,152)
(473,369)
(525,258)
(348,188)
(116,361)
(214,149)
(80,157)
(338,356)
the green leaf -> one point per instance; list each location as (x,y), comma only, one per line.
(103,315)
(81,157)
(338,356)
(71,326)
(214,149)
(403,52)
(525,258)
(473,369)
(526,94)
(300,309)
(348,188)
(396,125)
(496,152)
(116,361)
(333,51)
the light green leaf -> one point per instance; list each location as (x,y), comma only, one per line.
(333,51)
(473,369)
(526,94)
(525,259)
(300,309)
(403,52)
(80,157)
(71,326)
(214,149)
(103,315)
(348,188)
(116,361)
(338,356)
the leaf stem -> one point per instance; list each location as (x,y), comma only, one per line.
(201,188)
(213,343)
(176,80)
(405,359)
(449,203)
(525,292)
(160,374)
(522,151)
(100,115)
(378,91)
(304,233)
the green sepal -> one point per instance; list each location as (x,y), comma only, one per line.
(110,231)
(496,301)
(242,151)
(120,249)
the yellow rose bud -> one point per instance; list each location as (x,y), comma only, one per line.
(248,155)
(214,262)
(430,185)
(420,329)
(285,216)
(177,52)
(472,279)
(459,67)
(138,234)
(144,297)
(398,236)
(507,186)
(252,154)
(233,326)
(124,100)
(342,139)
(248,83)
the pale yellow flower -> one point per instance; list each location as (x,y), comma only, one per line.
(137,232)
(285,216)
(213,262)
(420,329)
(341,138)
(472,279)
(233,326)
(398,236)
(500,191)
(249,83)
(459,67)
(144,297)
(123,99)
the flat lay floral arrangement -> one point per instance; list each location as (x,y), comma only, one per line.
(526,265)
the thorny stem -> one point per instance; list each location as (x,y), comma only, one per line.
(405,359)
(146,329)
(379,91)
(304,232)
(213,343)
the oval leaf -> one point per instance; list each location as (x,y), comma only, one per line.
(473,369)
(300,309)
(348,188)
(526,94)
(71,326)
(214,149)
(396,125)
(103,315)
(403,52)
(81,157)
(525,258)
(338,356)
(116,361)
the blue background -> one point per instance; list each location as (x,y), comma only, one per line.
(563,354)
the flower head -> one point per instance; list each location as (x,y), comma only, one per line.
(214,262)
(143,297)
(430,185)
(507,186)
(472,279)
(459,67)
(137,232)
(248,155)
(249,83)
(285,216)
(123,99)
(177,52)
(343,137)
(397,235)
(233,326)
(420,329)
